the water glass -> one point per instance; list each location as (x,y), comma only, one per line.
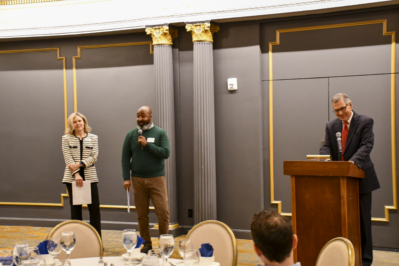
(129,239)
(183,245)
(21,254)
(6,257)
(35,257)
(68,242)
(151,259)
(191,257)
(54,248)
(166,245)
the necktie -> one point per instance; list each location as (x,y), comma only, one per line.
(344,137)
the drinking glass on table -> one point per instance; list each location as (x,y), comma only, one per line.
(183,245)
(68,242)
(21,254)
(6,257)
(129,239)
(166,245)
(54,248)
(35,257)
(151,259)
(191,257)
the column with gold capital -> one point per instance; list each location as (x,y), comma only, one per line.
(162,39)
(205,201)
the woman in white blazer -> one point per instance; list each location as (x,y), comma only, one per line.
(80,149)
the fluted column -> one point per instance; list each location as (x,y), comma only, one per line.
(162,40)
(205,201)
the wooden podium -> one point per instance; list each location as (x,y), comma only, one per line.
(325,205)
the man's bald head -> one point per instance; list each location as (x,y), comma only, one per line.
(145,109)
(144,116)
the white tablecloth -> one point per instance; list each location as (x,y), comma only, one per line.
(117,261)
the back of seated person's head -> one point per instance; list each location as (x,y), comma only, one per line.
(273,236)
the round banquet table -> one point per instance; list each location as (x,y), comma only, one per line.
(117,261)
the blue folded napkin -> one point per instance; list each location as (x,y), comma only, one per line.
(206,250)
(3,260)
(140,241)
(43,247)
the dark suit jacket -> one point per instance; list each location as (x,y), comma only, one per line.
(359,144)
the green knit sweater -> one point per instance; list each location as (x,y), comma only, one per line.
(146,162)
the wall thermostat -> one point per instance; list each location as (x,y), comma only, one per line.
(232,84)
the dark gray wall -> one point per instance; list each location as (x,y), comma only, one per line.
(355,60)
(238,122)
(309,67)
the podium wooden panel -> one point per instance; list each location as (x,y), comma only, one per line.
(325,205)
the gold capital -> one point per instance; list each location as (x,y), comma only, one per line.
(202,32)
(162,35)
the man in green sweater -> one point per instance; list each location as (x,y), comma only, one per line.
(143,160)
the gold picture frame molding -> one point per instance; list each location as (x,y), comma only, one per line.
(393,107)
(65,116)
(79,56)
(75,95)
(64,195)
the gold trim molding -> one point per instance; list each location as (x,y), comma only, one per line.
(79,56)
(171,226)
(202,32)
(24,2)
(65,117)
(393,107)
(162,35)
(58,58)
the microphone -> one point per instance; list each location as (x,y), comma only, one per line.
(140,131)
(339,141)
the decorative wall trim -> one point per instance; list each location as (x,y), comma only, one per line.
(393,107)
(202,32)
(58,58)
(79,56)
(95,47)
(73,17)
(23,2)
(162,35)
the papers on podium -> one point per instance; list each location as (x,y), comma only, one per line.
(81,195)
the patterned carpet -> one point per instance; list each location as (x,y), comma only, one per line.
(9,235)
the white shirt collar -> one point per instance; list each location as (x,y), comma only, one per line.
(349,121)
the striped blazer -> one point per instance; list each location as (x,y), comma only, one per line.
(71,151)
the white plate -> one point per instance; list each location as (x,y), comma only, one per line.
(135,257)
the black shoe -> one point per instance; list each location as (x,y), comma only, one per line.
(145,249)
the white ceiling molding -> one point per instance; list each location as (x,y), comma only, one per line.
(74,17)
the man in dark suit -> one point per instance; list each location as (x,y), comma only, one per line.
(357,143)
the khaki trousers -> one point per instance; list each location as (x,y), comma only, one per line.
(153,188)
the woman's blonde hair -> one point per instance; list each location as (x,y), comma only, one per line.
(69,130)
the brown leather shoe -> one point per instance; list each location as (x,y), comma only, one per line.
(145,249)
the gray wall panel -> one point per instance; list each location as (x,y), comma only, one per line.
(238,116)
(31,124)
(266,147)
(386,234)
(185,162)
(371,97)
(110,99)
(299,116)
(323,63)
(315,53)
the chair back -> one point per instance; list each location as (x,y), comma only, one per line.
(88,241)
(220,236)
(338,251)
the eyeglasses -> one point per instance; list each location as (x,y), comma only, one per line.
(340,109)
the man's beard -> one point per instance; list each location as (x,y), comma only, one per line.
(145,126)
